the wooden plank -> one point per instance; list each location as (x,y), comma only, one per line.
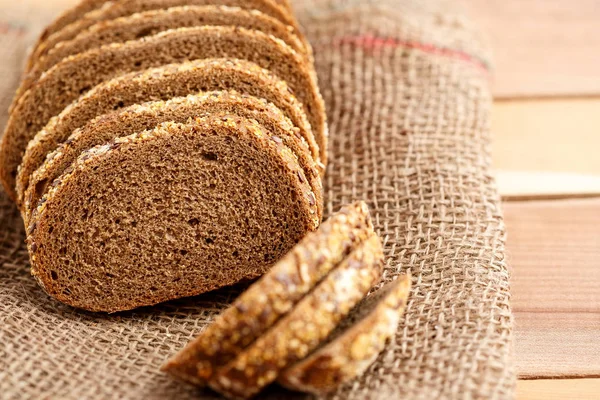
(554,250)
(559,389)
(547,135)
(542,47)
(557,344)
(554,254)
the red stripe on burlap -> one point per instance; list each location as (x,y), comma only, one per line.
(374,42)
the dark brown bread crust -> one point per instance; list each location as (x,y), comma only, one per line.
(137,118)
(355,345)
(124,8)
(152,22)
(309,323)
(188,208)
(74,76)
(265,302)
(163,83)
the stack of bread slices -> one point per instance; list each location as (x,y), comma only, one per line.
(164,148)
(308,323)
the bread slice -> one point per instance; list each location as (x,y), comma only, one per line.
(162,84)
(137,118)
(307,325)
(76,75)
(124,8)
(150,23)
(172,212)
(67,17)
(354,345)
(273,296)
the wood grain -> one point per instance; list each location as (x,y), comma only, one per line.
(557,344)
(547,135)
(559,389)
(554,251)
(542,47)
(554,254)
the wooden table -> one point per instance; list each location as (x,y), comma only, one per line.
(546,126)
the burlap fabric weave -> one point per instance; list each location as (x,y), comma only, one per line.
(406,86)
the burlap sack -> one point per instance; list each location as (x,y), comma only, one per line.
(406,85)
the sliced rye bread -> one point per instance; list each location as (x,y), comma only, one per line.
(354,345)
(137,118)
(273,296)
(67,17)
(76,75)
(295,335)
(152,22)
(188,208)
(124,8)
(163,83)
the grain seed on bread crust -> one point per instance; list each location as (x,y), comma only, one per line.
(76,75)
(137,118)
(354,345)
(163,83)
(124,8)
(273,296)
(188,208)
(152,22)
(305,326)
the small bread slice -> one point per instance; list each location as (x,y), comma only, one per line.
(172,212)
(137,118)
(354,345)
(294,336)
(76,75)
(150,23)
(162,83)
(273,296)
(124,8)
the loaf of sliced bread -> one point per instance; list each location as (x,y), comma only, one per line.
(176,211)
(354,345)
(295,335)
(273,296)
(152,22)
(76,75)
(162,84)
(124,8)
(137,118)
